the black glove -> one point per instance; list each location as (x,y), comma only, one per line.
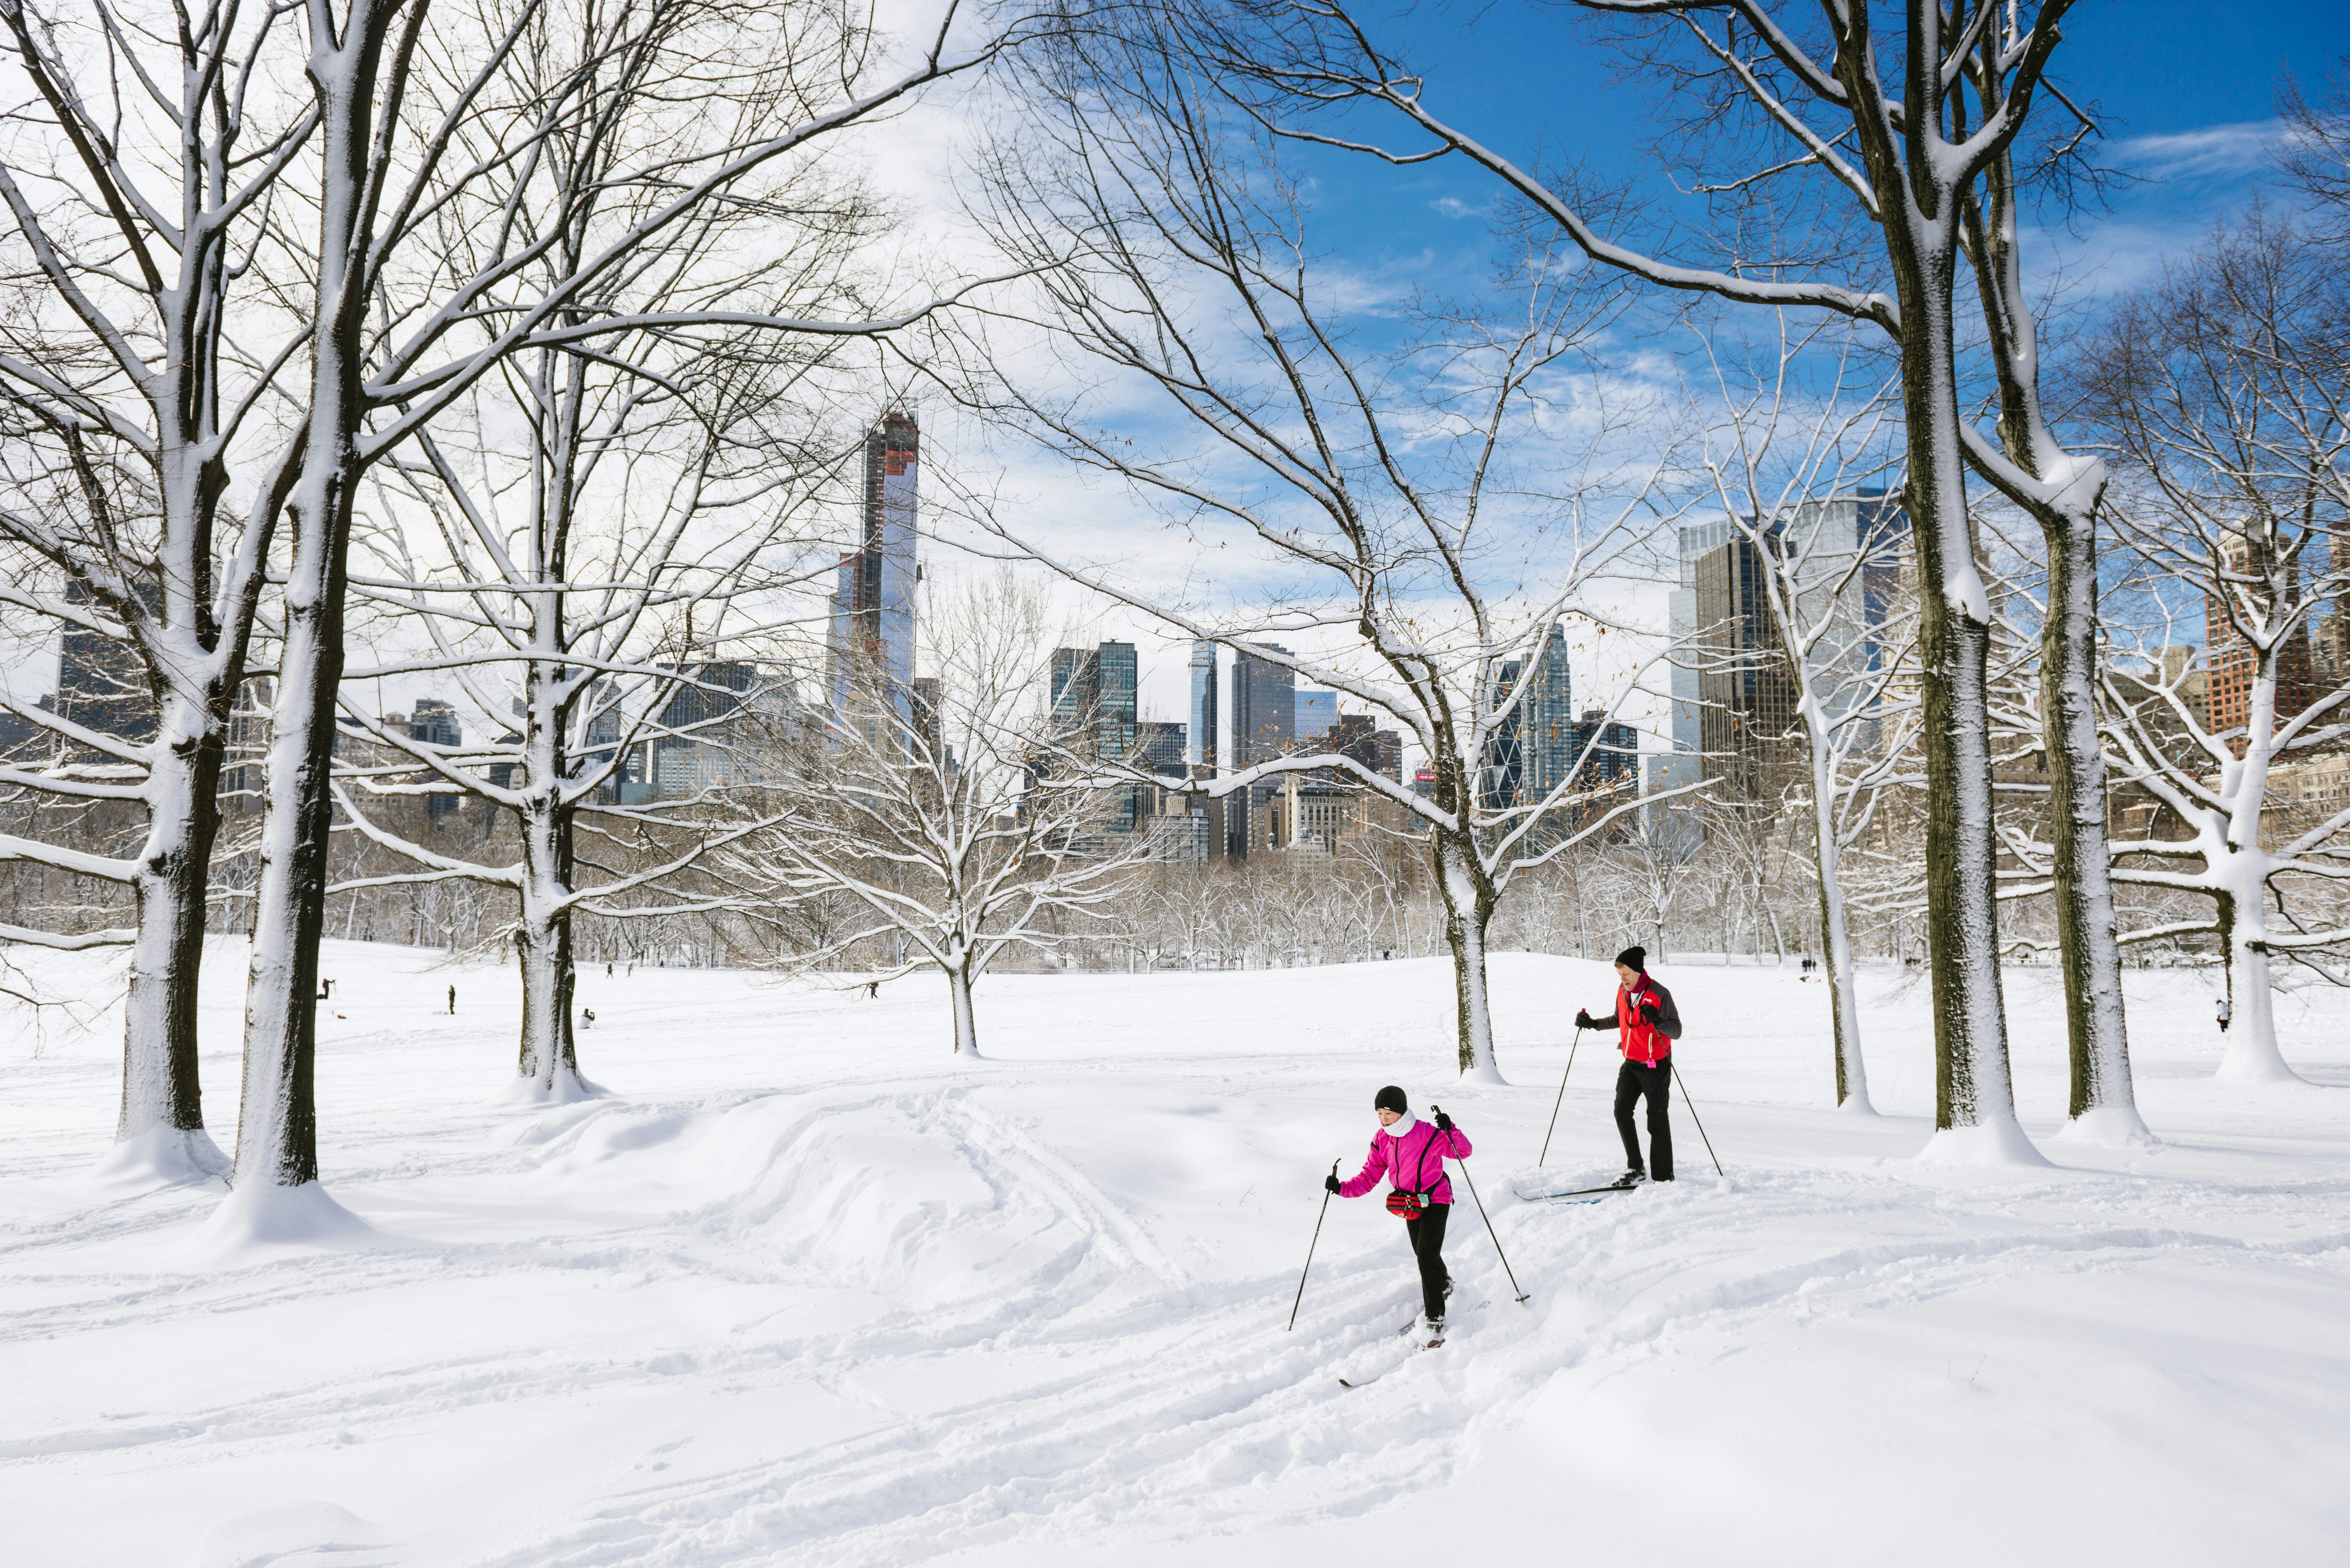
(1651,1012)
(1443,1123)
(1583,1019)
(1330,1183)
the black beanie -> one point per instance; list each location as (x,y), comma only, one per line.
(1634,958)
(1390,1099)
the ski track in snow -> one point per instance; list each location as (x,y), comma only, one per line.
(1006,1347)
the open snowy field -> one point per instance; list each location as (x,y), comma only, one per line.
(803,1289)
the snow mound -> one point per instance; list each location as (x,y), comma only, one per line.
(2256,1068)
(1992,1144)
(264,1219)
(288,1534)
(2109,1127)
(168,1156)
(916,1198)
(568,1089)
(925,1198)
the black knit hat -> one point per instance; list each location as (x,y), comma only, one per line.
(1634,958)
(1390,1099)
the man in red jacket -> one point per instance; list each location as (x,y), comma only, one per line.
(1649,1025)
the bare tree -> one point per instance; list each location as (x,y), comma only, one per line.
(1169,249)
(961,824)
(1923,157)
(1802,437)
(2315,152)
(130,379)
(2226,389)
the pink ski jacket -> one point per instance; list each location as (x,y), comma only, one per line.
(1409,1163)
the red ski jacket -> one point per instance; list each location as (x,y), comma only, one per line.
(1643,1041)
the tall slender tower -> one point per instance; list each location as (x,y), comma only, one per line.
(1546,716)
(873,598)
(1201,751)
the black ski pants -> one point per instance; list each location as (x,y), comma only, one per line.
(1426,1235)
(1634,1080)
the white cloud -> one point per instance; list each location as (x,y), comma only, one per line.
(2212,150)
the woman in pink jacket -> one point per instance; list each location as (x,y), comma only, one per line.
(1411,1154)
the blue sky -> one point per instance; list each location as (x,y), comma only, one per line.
(2186,91)
(2186,94)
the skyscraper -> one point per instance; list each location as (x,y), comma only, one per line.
(1353,737)
(873,593)
(694,757)
(1161,747)
(1503,764)
(1094,699)
(1115,663)
(1682,765)
(1201,751)
(926,722)
(1614,750)
(1316,712)
(2231,663)
(1733,694)
(435,723)
(1265,726)
(1094,713)
(1749,716)
(1076,692)
(1264,710)
(1546,722)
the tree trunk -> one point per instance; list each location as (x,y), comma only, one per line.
(161,1112)
(1835,937)
(2104,1106)
(1468,909)
(1972,1085)
(278,1131)
(966,1024)
(548,1058)
(2249,1055)
(1972,1090)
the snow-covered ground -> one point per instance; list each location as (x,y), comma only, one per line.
(803,1289)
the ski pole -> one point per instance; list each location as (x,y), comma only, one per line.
(1562,1092)
(1309,1252)
(1692,1111)
(1488,1219)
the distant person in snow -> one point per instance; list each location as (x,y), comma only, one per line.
(2225,1014)
(1411,1154)
(589,1014)
(452,1002)
(1649,1025)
